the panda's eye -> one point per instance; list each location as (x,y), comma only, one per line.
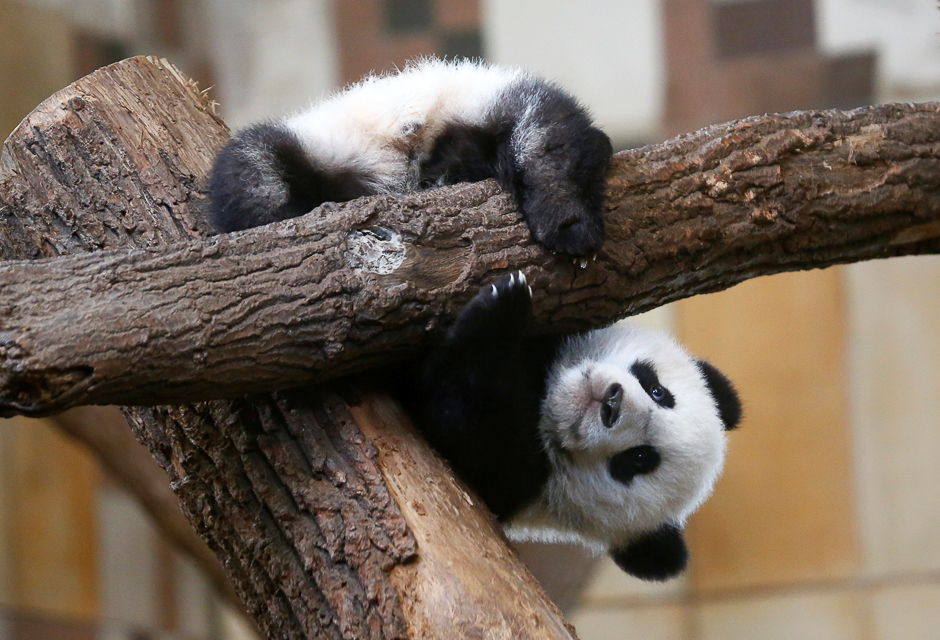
(646,376)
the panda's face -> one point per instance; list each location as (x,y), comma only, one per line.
(634,433)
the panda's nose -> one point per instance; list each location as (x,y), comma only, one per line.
(610,405)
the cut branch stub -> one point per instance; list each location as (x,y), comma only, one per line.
(353,285)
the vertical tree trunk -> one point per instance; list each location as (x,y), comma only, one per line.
(288,489)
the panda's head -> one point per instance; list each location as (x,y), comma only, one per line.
(635,431)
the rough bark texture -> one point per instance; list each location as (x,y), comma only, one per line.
(322,296)
(285,488)
(465,554)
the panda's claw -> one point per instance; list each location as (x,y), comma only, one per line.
(499,313)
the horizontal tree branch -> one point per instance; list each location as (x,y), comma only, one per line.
(353,285)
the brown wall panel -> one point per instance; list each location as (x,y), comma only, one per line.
(53,528)
(35,59)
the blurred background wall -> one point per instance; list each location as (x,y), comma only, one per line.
(826,523)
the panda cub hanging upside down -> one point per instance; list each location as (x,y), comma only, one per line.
(613,437)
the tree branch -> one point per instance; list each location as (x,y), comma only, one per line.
(353,285)
(286,488)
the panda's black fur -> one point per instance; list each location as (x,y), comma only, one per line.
(612,438)
(434,123)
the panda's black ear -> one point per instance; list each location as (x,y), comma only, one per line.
(729,405)
(658,555)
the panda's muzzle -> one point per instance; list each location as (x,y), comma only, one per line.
(610,405)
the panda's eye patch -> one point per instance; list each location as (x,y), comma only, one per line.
(646,375)
(635,461)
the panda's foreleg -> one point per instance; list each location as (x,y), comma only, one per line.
(263,174)
(479,409)
(495,319)
(555,162)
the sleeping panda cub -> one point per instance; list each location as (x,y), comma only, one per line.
(435,123)
(612,437)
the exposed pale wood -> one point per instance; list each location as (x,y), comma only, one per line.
(291,303)
(465,555)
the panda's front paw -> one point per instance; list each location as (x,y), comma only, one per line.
(565,227)
(501,311)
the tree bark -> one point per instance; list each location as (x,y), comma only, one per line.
(329,294)
(286,488)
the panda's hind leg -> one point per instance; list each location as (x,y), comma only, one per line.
(264,174)
(478,405)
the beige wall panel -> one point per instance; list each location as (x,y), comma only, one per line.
(129,561)
(610,585)
(895,331)
(54,532)
(783,512)
(35,59)
(638,623)
(813,616)
(910,612)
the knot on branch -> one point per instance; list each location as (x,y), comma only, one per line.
(377,250)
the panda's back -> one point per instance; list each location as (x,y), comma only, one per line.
(384,125)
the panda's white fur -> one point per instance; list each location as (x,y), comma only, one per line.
(581,499)
(383,125)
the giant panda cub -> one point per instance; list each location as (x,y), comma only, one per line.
(434,123)
(613,437)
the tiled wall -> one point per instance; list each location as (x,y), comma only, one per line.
(380,35)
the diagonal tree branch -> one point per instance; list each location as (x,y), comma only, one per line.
(353,285)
